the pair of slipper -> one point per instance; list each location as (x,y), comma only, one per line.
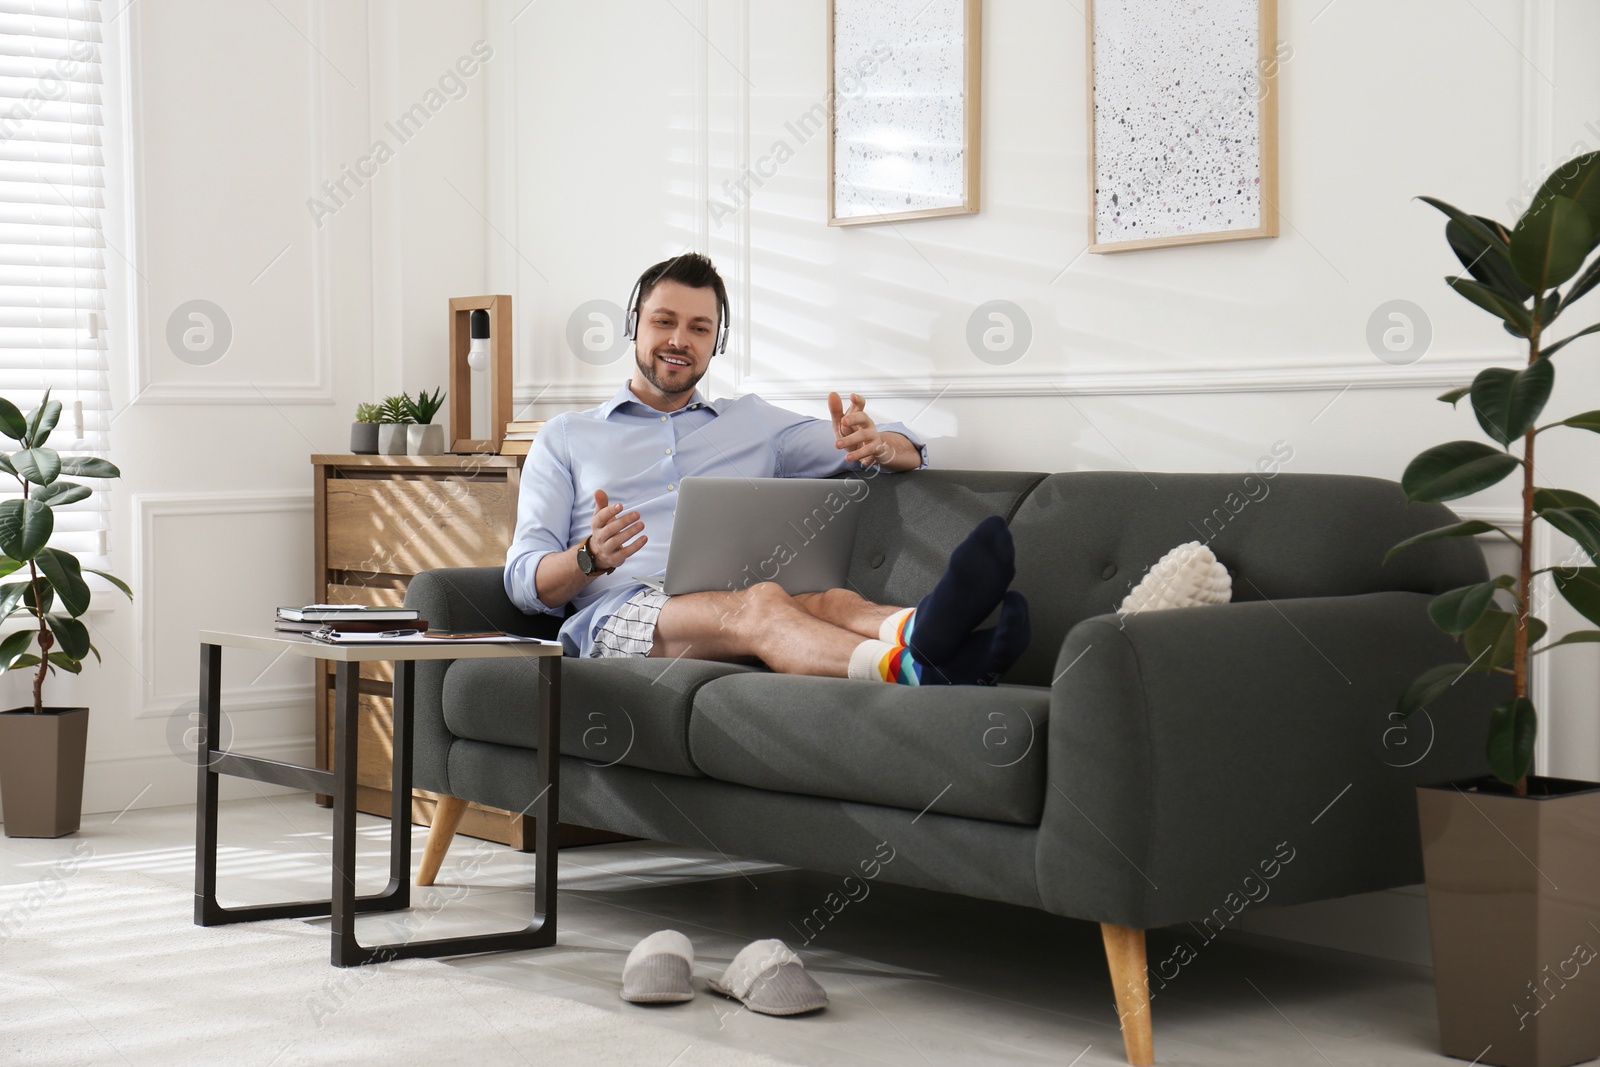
(765,976)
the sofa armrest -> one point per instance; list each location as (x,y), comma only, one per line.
(457,598)
(474,598)
(1195,752)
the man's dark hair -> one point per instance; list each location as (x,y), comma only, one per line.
(691,269)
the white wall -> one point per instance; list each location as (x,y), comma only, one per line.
(593,143)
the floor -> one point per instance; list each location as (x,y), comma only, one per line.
(915,977)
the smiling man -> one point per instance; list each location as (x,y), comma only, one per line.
(599,488)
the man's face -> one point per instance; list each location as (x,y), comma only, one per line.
(676,337)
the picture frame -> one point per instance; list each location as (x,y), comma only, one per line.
(893,151)
(1129,207)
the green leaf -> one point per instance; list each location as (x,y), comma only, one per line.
(8,566)
(1470,528)
(59,492)
(118,582)
(1578,179)
(12,647)
(1429,686)
(1446,472)
(25,526)
(62,570)
(26,660)
(1518,318)
(1486,230)
(73,635)
(1589,420)
(1455,612)
(66,662)
(39,465)
(12,424)
(1550,243)
(1549,350)
(1512,729)
(1561,498)
(1488,262)
(1581,587)
(1455,394)
(89,467)
(1491,641)
(1507,402)
(5,465)
(1576,637)
(10,596)
(1585,282)
(1580,524)
(41,603)
(41,420)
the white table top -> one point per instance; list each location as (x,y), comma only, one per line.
(298,645)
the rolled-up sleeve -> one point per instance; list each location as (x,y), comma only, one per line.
(544,516)
(806,450)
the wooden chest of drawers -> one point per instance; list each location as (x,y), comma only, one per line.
(380,520)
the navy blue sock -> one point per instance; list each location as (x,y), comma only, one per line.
(987,654)
(980,572)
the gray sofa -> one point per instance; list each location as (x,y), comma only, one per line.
(1135,772)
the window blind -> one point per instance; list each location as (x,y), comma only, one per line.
(52,249)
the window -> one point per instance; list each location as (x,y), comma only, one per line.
(52,250)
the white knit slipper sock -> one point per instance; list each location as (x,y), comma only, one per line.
(658,970)
(766,977)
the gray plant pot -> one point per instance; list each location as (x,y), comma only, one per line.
(392,439)
(41,770)
(425,440)
(364,439)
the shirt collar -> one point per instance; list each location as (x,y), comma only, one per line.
(625,395)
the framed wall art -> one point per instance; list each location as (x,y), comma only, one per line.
(1183,122)
(903,95)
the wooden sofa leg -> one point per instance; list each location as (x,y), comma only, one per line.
(447,813)
(1125,955)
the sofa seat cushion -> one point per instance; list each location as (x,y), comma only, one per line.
(633,712)
(959,750)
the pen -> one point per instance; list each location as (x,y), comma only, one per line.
(399,633)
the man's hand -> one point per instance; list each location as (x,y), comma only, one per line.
(614,536)
(855,430)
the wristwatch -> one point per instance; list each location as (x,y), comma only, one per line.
(586,562)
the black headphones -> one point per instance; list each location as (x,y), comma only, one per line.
(630,326)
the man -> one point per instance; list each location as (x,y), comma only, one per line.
(599,488)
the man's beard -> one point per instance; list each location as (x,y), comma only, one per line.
(647,367)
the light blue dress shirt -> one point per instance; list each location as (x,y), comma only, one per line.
(639,455)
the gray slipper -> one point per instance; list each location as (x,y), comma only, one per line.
(766,977)
(658,970)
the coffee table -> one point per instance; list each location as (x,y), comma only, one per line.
(343,905)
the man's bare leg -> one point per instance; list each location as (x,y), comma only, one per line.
(847,609)
(762,621)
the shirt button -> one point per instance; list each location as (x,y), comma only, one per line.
(669,451)
(663,418)
(671,486)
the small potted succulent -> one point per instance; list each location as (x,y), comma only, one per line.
(42,748)
(1513,882)
(423,438)
(364,431)
(394,415)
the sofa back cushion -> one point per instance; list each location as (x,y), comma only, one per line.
(1085,538)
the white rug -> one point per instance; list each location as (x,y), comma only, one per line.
(109,968)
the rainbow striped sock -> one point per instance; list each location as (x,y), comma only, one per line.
(896,629)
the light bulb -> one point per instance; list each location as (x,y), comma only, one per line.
(478,351)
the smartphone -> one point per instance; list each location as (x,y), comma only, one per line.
(467,636)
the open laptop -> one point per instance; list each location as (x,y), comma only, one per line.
(730,533)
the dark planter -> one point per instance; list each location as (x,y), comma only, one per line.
(41,770)
(1514,913)
(364,438)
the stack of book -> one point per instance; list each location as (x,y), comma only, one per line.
(348,618)
(519,436)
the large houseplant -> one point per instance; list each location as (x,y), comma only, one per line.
(1513,878)
(41,748)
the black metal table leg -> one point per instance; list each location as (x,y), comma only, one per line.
(212,762)
(347,951)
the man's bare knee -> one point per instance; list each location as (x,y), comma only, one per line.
(766,603)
